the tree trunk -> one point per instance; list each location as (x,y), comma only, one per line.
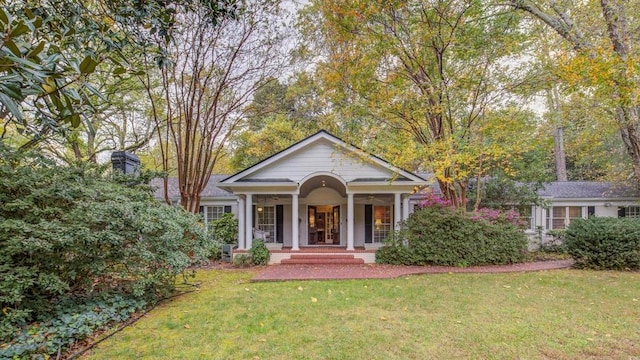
(559,154)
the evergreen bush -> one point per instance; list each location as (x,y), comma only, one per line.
(259,253)
(604,243)
(439,235)
(76,230)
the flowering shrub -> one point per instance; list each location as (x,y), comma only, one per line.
(431,199)
(495,216)
(437,234)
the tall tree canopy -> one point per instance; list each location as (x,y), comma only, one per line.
(433,71)
(601,57)
(212,72)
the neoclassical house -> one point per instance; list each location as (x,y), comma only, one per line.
(320,192)
(323,196)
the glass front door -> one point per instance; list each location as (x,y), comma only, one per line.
(324,225)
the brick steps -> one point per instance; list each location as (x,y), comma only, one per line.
(321,259)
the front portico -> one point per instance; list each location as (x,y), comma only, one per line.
(321,192)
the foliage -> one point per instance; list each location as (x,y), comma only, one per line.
(212,72)
(70,320)
(432,71)
(74,230)
(598,56)
(54,52)
(502,192)
(604,243)
(437,235)
(259,253)
(225,229)
(242,260)
(222,231)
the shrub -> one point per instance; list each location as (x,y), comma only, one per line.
(242,260)
(439,235)
(222,231)
(77,230)
(604,243)
(259,253)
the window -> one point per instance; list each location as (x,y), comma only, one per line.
(629,211)
(266,221)
(213,213)
(526,214)
(560,216)
(381,223)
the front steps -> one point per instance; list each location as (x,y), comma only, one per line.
(317,259)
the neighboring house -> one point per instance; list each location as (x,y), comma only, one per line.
(323,193)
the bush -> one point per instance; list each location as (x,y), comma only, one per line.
(439,235)
(223,231)
(77,231)
(242,260)
(259,253)
(604,243)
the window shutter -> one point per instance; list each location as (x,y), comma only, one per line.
(201,210)
(253,218)
(227,209)
(368,224)
(591,211)
(279,224)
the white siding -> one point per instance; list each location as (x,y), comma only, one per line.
(318,157)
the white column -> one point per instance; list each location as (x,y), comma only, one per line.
(397,210)
(350,222)
(405,207)
(295,238)
(241,225)
(249,220)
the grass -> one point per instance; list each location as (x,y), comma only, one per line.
(566,314)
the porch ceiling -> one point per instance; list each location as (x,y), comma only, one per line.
(322,181)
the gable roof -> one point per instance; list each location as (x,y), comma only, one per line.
(322,135)
(587,190)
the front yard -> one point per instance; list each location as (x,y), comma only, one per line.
(565,314)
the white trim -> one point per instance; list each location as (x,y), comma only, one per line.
(321,135)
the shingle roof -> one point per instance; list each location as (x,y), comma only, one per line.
(210,191)
(587,190)
(556,189)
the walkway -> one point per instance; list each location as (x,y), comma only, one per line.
(376,271)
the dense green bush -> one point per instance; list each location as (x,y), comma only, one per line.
(259,253)
(223,231)
(604,243)
(439,235)
(76,230)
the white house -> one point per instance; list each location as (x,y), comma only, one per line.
(322,196)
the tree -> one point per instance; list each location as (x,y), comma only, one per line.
(603,57)
(52,50)
(280,114)
(213,69)
(433,70)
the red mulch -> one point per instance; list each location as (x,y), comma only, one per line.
(377,271)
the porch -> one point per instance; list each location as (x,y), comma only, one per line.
(319,255)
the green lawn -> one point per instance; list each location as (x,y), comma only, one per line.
(566,314)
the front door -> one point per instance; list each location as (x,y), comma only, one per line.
(324,225)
